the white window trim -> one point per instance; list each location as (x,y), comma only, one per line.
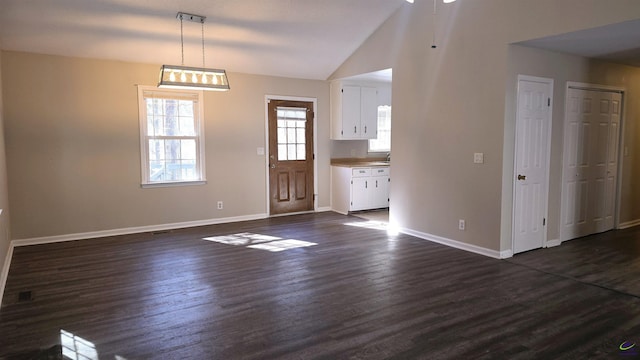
(144,144)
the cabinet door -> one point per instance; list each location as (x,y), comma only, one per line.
(379,190)
(369,113)
(351,112)
(360,193)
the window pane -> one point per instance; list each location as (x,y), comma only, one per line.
(156,149)
(291,152)
(188,150)
(383,142)
(187,126)
(282,135)
(156,170)
(186,108)
(300,136)
(282,152)
(301,152)
(188,170)
(291,136)
(172,149)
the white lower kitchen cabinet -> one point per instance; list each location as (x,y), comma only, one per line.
(359,188)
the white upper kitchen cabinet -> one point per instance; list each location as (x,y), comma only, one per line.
(354,112)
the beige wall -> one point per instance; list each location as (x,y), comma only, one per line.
(73,147)
(4,196)
(450,102)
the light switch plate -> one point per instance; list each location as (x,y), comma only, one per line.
(478,158)
(260,151)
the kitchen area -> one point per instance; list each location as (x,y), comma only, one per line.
(361,144)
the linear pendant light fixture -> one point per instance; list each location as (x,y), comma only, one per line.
(192,78)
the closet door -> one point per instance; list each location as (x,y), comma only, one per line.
(590,166)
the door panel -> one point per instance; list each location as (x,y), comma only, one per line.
(290,156)
(590,163)
(532,149)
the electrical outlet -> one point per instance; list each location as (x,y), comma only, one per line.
(478,158)
(220,205)
(461,224)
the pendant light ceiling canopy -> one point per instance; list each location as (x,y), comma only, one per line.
(193,78)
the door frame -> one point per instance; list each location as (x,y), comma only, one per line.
(618,194)
(550,83)
(268,98)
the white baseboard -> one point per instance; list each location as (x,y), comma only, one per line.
(132,230)
(552,243)
(5,271)
(629,224)
(505,254)
(458,244)
(323,209)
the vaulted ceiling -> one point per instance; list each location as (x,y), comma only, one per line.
(289,38)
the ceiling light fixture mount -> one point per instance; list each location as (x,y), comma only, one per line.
(193,78)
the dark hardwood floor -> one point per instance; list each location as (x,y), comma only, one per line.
(356,294)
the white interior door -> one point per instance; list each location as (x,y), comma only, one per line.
(533,133)
(590,164)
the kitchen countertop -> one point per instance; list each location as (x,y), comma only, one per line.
(358,162)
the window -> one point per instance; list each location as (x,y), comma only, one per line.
(383,142)
(292,133)
(171,136)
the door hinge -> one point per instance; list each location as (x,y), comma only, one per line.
(351,182)
(548,101)
(341,132)
(314,156)
(544,221)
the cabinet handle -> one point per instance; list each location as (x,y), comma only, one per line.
(366,184)
(365,129)
(354,129)
(376,183)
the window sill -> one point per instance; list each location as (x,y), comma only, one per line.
(172,184)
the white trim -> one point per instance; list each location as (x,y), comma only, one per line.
(323,209)
(628,224)
(595,87)
(170,184)
(552,243)
(550,83)
(5,270)
(133,230)
(458,244)
(268,98)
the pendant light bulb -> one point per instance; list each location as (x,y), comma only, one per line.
(215,79)
(172,76)
(204,78)
(183,77)
(194,78)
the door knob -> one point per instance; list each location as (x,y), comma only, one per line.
(273,166)
(522,177)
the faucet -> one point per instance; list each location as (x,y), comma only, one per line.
(388,156)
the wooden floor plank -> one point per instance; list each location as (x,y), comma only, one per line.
(358,294)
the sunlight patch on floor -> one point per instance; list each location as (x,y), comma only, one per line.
(260,242)
(77,348)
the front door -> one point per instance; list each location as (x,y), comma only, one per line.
(533,133)
(290,156)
